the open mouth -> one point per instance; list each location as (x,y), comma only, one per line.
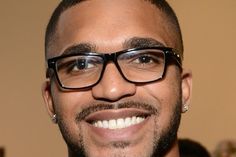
(118,123)
(117,119)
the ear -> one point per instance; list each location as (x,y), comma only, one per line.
(186,77)
(47,96)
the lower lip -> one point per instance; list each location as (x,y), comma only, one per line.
(118,134)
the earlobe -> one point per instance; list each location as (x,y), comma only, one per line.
(186,89)
(46,93)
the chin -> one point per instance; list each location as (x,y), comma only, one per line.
(145,139)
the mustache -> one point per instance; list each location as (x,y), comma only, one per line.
(106,106)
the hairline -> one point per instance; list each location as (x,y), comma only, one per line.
(64,5)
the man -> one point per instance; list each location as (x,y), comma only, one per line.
(116,86)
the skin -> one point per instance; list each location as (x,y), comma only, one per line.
(108,25)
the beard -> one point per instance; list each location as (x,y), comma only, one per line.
(162,142)
(168,136)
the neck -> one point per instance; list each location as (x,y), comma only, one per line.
(174,151)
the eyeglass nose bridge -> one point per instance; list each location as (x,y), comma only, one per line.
(112,58)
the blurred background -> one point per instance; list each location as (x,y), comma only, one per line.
(209,32)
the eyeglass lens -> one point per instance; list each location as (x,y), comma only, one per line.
(136,66)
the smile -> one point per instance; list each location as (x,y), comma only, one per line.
(114,119)
(123,124)
(118,123)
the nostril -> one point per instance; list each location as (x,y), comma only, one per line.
(113,91)
(114,94)
(113,86)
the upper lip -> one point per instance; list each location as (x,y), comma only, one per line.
(109,114)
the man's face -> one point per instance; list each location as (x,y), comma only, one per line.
(152,111)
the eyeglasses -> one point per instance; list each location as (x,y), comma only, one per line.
(136,65)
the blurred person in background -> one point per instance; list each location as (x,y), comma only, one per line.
(225,148)
(192,148)
(2,152)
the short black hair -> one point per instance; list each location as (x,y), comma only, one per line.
(65,4)
(192,148)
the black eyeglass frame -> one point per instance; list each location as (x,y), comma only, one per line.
(168,52)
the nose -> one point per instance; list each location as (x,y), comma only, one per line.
(113,86)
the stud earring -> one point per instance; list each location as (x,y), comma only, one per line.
(185,108)
(54,118)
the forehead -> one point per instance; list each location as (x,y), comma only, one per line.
(108,24)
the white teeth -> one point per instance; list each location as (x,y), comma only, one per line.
(118,123)
(133,121)
(127,122)
(139,120)
(99,124)
(112,124)
(105,124)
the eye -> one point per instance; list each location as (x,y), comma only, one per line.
(147,58)
(81,64)
(144,59)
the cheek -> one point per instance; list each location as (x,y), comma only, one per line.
(167,94)
(67,104)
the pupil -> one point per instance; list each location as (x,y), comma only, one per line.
(144,59)
(81,64)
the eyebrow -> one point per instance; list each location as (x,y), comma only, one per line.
(138,42)
(79,48)
(134,42)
